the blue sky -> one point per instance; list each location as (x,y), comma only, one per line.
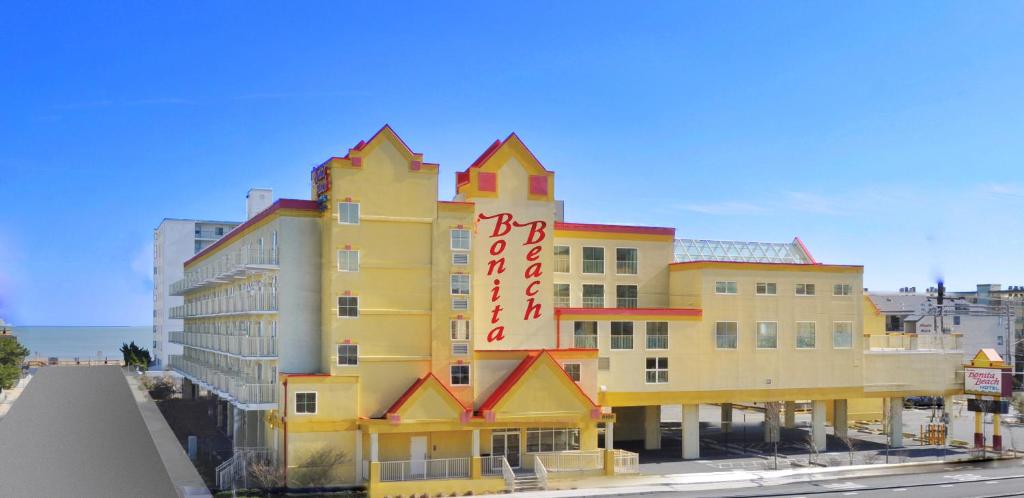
(882,133)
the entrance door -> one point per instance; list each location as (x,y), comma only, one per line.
(506,443)
(417,454)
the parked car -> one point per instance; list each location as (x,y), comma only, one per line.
(922,402)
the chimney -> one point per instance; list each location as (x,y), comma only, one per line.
(257,200)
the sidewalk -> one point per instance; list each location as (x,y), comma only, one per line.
(12,395)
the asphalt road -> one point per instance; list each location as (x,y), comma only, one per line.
(76,431)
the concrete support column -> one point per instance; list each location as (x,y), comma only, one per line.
(896,422)
(609,435)
(358,454)
(476,442)
(374,448)
(475,462)
(187,391)
(840,418)
(979,436)
(771,422)
(229,419)
(726,417)
(997,435)
(818,436)
(691,431)
(789,420)
(237,431)
(652,427)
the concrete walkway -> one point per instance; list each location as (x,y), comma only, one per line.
(11,395)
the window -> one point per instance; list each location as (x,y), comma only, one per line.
(585,335)
(725,287)
(561,295)
(657,335)
(593,260)
(805,335)
(593,296)
(805,289)
(999,340)
(460,304)
(460,375)
(460,239)
(841,290)
(561,263)
(544,440)
(460,285)
(725,335)
(348,260)
(625,261)
(348,213)
(305,402)
(460,258)
(622,335)
(348,306)
(573,369)
(460,330)
(956,320)
(460,348)
(766,288)
(657,371)
(625,296)
(767,335)
(842,335)
(893,323)
(348,354)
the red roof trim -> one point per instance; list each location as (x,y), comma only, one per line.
(304,375)
(397,405)
(631,311)
(586,350)
(459,203)
(463,177)
(592,227)
(804,249)
(762,263)
(518,373)
(279,204)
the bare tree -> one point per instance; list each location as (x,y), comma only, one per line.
(851,445)
(319,469)
(266,475)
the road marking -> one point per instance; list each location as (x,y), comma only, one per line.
(946,486)
(844,485)
(850,493)
(964,477)
(991,482)
(897,490)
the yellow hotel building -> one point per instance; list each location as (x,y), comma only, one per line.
(484,344)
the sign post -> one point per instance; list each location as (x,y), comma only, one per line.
(989,379)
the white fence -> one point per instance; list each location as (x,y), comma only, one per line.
(571,461)
(627,462)
(418,470)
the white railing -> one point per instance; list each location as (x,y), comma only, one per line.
(588,341)
(622,342)
(228,265)
(571,461)
(593,302)
(253,394)
(508,474)
(264,301)
(248,346)
(419,470)
(227,383)
(236,468)
(542,473)
(491,465)
(176,312)
(627,462)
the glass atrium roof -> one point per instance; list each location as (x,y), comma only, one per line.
(744,252)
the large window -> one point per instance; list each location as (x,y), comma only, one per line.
(767,335)
(656,371)
(460,239)
(842,290)
(348,354)
(460,285)
(585,335)
(460,330)
(625,261)
(765,288)
(593,296)
(725,287)
(348,306)
(460,375)
(545,440)
(842,335)
(805,335)
(725,335)
(593,260)
(305,403)
(625,296)
(805,289)
(657,335)
(622,335)
(348,260)
(561,262)
(573,369)
(561,295)
(348,213)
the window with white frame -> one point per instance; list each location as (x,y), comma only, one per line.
(656,371)
(765,288)
(348,213)
(842,335)
(460,375)
(561,295)
(573,369)
(805,289)
(561,259)
(593,260)
(625,296)
(305,402)
(460,285)
(842,290)
(585,335)
(460,330)
(806,335)
(726,335)
(625,261)
(726,287)
(348,354)
(348,306)
(348,260)
(622,335)
(547,440)
(657,335)
(460,258)
(460,239)
(767,335)
(593,296)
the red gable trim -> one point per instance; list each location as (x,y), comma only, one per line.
(518,373)
(298,204)
(804,249)
(415,387)
(631,311)
(591,227)
(463,178)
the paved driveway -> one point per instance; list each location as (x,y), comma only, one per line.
(76,431)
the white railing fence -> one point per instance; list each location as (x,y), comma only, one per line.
(571,461)
(542,473)
(418,470)
(508,474)
(237,467)
(491,465)
(627,462)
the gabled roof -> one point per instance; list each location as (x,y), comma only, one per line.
(385,133)
(988,357)
(463,178)
(532,360)
(422,385)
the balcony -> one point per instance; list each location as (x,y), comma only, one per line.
(230,385)
(239,345)
(913,342)
(176,312)
(256,303)
(585,341)
(224,268)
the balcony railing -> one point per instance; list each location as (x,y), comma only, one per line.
(227,384)
(627,462)
(258,302)
(419,470)
(224,267)
(622,342)
(593,302)
(246,346)
(571,461)
(585,341)
(913,342)
(176,312)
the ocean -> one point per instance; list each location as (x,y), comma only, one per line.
(83,342)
